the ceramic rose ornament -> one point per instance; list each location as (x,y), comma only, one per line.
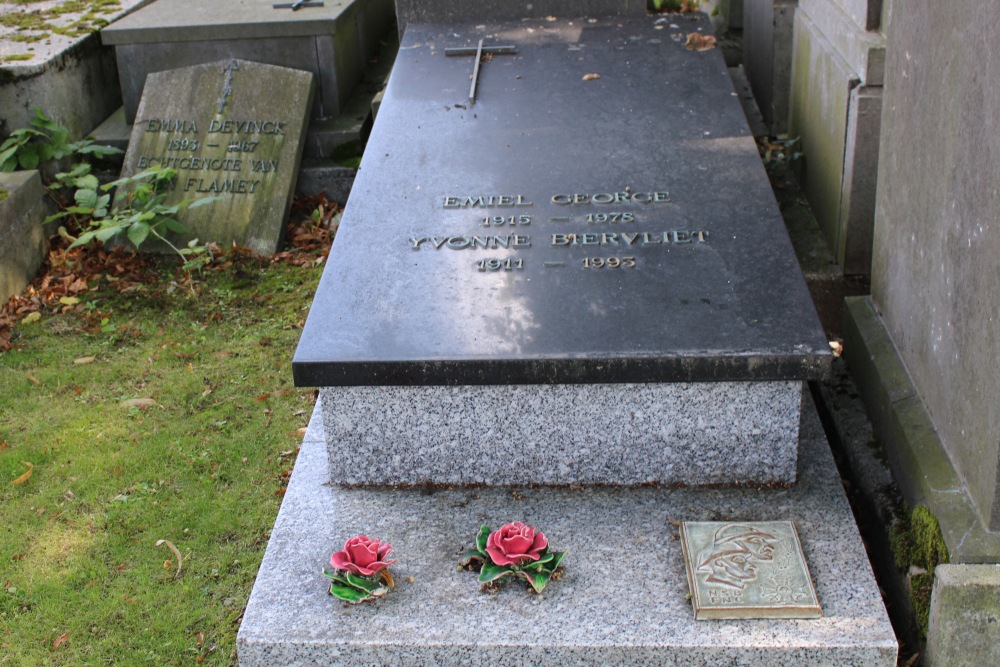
(361,570)
(518,550)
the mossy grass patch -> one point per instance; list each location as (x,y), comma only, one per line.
(161,410)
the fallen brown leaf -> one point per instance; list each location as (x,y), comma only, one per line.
(26,476)
(593,76)
(177,555)
(699,42)
(61,639)
(32,378)
(84,360)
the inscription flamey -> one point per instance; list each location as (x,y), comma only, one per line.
(747,570)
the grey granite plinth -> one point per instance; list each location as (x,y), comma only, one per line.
(626,434)
(622,600)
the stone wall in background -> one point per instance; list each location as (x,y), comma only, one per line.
(936,274)
(838,59)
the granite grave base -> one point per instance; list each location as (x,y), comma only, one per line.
(691,433)
(622,599)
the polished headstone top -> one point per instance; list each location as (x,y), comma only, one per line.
(598,214)
(197,20)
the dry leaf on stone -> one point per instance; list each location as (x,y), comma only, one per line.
(139,403)
(26,476)
(591,77)
(699,42)
(84,360)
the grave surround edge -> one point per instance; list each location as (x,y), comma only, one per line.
(629,434)
(440,617)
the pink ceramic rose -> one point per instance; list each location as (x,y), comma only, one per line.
(363,556)
(515,544)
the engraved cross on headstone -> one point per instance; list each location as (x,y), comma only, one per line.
(227,84)
(478,51)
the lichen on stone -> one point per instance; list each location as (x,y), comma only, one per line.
(918,547)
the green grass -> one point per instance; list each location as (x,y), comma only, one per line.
(204,468)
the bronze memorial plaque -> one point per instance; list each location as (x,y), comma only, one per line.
(747,569)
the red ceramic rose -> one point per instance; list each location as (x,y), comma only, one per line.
(515,544)
(516,551)
(362,556)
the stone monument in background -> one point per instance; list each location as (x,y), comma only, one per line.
(924,346)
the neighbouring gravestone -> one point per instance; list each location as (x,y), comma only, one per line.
(22,235)
(332,39)
(561,289)
(231,129)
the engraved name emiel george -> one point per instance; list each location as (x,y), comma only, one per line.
(607,222)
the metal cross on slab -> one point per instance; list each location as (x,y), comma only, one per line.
(227,85)
(296,6)
(478,52)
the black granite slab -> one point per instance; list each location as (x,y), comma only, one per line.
(704,284)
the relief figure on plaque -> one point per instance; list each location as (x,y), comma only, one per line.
(733,557)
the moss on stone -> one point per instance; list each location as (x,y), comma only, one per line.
(39,21)
(917,548)
(15,57)
(4,194)
(26,38)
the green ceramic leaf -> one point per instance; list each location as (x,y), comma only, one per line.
(363,583)
(557,557)
(491,572)
(546,556)
(348,593)
(470,556)
(537,580)
(484,535)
